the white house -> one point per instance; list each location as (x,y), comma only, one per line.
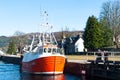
(79,45)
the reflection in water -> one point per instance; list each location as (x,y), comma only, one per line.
(49,77)
(42,77)
(83,77)
(71,77)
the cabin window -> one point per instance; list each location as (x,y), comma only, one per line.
(54,50)
(40,50)
(58,50)
(49,50)
(45,50)
(34,47)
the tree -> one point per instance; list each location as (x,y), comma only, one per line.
(4,41)
(111,14)
(66,33)
(19,39)
(11,48)
(18,33)
(107,33)
(92,36)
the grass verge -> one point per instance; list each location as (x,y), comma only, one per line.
(90,57)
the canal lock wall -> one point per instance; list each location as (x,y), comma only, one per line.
(77,69)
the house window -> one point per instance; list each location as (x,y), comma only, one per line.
(119,40)
(76,50)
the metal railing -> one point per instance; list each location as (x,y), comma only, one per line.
(109,56)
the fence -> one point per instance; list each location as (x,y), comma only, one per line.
(103,56)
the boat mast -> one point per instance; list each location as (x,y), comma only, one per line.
(48,36)
(32,43)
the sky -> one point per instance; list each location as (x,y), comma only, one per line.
(24,15)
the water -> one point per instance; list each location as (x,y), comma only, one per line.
(11,72)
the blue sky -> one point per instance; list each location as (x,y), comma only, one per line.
(24,15)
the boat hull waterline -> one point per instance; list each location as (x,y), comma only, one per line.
(45,65)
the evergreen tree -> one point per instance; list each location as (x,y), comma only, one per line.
(92,36)
(107,33)
(11,48)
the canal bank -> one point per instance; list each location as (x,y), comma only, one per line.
(91,69)
(88,68)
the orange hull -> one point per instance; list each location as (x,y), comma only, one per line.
(45,65)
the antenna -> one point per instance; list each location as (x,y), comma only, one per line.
(46,28)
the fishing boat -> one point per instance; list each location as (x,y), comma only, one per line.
(43,55)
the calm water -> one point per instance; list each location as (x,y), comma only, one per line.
(11,72)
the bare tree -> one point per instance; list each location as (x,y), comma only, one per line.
(20,39)
(19,33)
(111,14)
